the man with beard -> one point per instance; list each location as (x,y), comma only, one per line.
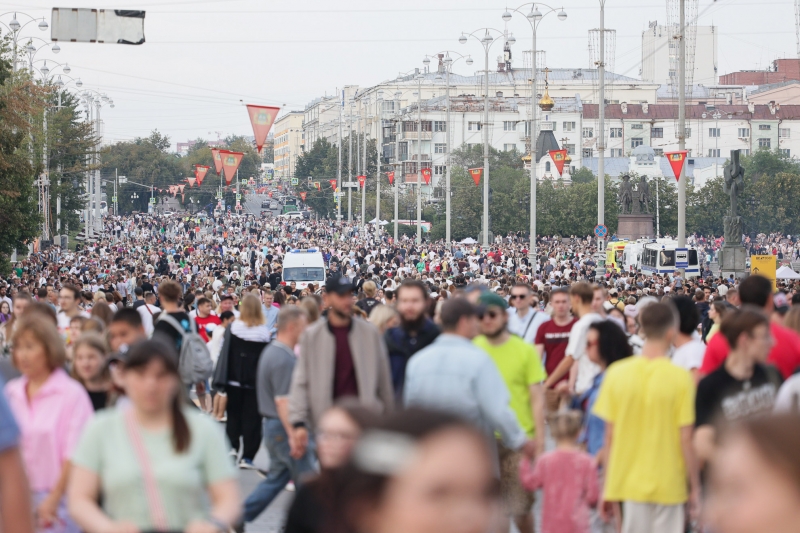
(415,332)
(523,374)
(340,356)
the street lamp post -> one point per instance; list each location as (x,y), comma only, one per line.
(534,17)
(601,144)
(15,28)
(447,62)
(420,77)
(486,41)
(378,148)
(398,166)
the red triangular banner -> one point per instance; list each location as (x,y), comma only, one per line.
(200,173)
(558,157)
(230,162)
(191,181)
(217,160)
(476,174)
(333,183)
(426,175)
(181,187)
(303,196)
(390,175)
(361,180)
(262,118)
(676,160)
(270,194)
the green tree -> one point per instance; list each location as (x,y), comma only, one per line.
(582,175)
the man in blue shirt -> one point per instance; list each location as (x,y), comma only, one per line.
(270,311)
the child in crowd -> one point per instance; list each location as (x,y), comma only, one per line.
(568,476)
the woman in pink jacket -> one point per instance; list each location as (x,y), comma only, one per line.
(51,409)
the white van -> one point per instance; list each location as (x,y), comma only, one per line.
(304,267)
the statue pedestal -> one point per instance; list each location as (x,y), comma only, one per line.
(732,260)
(636,226)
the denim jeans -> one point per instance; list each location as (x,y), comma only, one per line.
(282,469)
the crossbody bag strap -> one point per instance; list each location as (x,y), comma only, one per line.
(152,495)
(529,323)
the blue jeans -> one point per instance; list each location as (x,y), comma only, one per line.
(282,469)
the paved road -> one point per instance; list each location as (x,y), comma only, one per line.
(271,520)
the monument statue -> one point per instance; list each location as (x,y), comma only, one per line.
(644,194)
(734,185)
(626,194)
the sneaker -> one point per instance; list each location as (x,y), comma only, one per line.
(290,486)
(247,464)
(233,453)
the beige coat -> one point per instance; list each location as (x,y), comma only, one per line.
(311,393)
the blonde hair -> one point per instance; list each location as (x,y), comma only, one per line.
(250,311)
(370,289)
(381,315)
(311,307)
(95,342)
(45,333)
(565,425)
(792,319)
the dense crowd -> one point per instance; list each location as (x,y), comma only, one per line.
(421,387)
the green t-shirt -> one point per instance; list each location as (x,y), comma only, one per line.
(106,450)
(520,366)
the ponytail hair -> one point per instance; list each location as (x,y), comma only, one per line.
(139,356)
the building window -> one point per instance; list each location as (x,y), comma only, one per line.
(784,133)
(636,141)
(439,125)
(713,152)
(439,170)
(786,152)
(713,132)
(473,126)
(440,148)
(616,152)
(688,133)
(657,133)
(616,133)
(764,143)
(658,151)
(588,133)
(569,126)
(745,151)
(637,126)
(509,147)
(586,152)
(509,125)
(764,127)
(547,166)
(744,133)
(570,149)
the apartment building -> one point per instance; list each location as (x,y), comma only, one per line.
(288,143)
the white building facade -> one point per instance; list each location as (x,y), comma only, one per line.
(288,143)
(660,52)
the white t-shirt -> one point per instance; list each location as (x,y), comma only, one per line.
(576,349)
(527,326)
(690,355)
(63,321)
(147,311)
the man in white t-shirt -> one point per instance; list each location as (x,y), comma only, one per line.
(148,311)
(68,299)
(523,319)
(689,349)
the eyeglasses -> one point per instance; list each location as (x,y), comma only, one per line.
(490,314)
(517,296)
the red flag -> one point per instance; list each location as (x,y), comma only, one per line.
(270,194)
(476,174)
(558,157)
(426,175)
(361,180)
(200,173)
(676,160)
(317,185)
(191,181)
(262,118)
(181,187)
(333,183)
(390,175)
(230,162)
(303,196)
(217,160)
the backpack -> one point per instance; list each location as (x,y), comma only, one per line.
(194,361)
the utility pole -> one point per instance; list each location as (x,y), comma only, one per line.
(682,126)
(419,158)
(378,149)
(339,167)
(601,144)
(98,189)
(350,165)
(448,65)
(485,243)
(398,165)
(364,173)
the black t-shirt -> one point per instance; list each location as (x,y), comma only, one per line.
(721,398)
(367,305)
(161,327)
(99,399)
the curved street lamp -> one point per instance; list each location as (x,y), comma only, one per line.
(534,17)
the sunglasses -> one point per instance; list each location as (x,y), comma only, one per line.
(517,296)
(491,314)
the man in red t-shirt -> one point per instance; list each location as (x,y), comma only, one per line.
(551,343)
(785,354)
(206,322)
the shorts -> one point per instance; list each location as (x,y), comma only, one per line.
(638,517)
(516,500)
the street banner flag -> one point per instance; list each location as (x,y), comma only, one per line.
(333,183)
(676,160)
(270,194)
(426,175)
(558,157)
(303,196)
(390,175)
(476,174)
(200,173)
(317,185)
(361,180)
(191,181)
(181,187)
(230,162)
(217,160)
(262,118)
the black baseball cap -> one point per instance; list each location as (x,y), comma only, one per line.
(339,285)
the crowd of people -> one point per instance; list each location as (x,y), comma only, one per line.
(422,387)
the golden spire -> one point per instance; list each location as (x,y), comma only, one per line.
(546,103)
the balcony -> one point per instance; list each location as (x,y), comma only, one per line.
(414,135)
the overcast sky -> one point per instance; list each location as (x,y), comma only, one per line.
(203,56)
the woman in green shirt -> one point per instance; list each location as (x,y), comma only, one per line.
(155,464)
